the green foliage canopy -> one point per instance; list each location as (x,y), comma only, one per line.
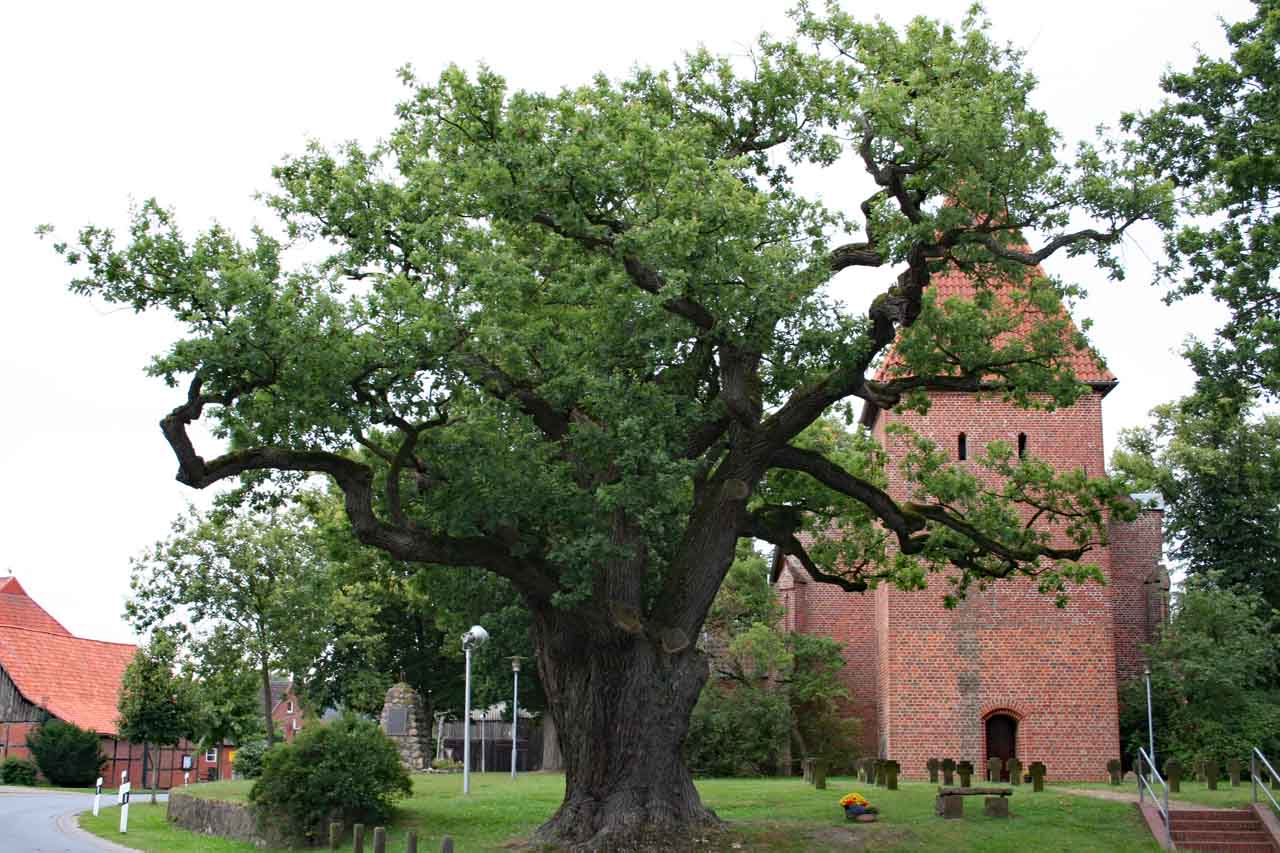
(66,754)
(580,330)
(1216,137)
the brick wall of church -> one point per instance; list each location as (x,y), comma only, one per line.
(1139,600)
(1009,648)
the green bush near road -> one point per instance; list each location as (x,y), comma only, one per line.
(17,771)
(67,755)
(346,770)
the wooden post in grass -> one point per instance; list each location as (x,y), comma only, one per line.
(1173,775)
(335,834)
(357,838)
(379,839)
(411,841)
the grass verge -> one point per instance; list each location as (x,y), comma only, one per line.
(783,815)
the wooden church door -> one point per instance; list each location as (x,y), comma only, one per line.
(1002,739)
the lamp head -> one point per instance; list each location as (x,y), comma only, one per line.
(474,637)
(515,663)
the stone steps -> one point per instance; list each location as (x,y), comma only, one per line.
(1227,831)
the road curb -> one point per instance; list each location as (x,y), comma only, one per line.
(69,825)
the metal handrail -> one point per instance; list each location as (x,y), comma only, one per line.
(1257,782)
(1162,805)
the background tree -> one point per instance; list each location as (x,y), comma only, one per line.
(389,619)
(1216,138)
(226,692)
(258,581)
(155,704)
(1216,464)
(1213,678)
(577,335)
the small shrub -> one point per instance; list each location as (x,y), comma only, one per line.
(445,764)
(66,754)
(17,771)
(736,730)
(249,754)
(347,770)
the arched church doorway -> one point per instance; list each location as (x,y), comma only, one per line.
(1002,740)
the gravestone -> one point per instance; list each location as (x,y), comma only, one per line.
(950,808)
(1015,771)
(933,765)
(1211,773)
(948,771)
(965,769)
(1113,770)
(1037,776)
(1233,772)
(820,775)
(891,775)
(995,806)
(994,768)
(1173,775)
(880,773)
(405,721)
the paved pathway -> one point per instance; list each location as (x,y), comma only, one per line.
(1130,796)
(38,821)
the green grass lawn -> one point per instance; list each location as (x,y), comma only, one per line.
(1226,797)
(762,814)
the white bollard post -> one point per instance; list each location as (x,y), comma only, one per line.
(124,778)
(186,779)
(97,797)
(124,807)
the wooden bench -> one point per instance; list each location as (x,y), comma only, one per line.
(950,803)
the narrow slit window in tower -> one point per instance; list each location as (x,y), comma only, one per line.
(1022,445)
(962,449)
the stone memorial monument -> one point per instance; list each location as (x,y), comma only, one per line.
(405,721)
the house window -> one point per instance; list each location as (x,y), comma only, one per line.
(288,708)
(962,449)
(211,756)
(296,726)
(1022,445)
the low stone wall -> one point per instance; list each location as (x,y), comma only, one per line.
(217,817)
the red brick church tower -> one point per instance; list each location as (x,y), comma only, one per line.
(1006,673)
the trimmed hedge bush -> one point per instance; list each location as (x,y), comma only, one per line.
(67,755)
(347,770)
(249,755)
(17,771)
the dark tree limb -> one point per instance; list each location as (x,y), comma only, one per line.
(355,479)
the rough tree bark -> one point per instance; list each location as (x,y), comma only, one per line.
(621,704)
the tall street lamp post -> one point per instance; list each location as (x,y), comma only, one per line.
(515,710)
(470,640)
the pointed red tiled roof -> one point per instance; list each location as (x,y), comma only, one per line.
(954,284)
(73,679)
(18,610)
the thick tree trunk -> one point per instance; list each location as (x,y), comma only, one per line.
(266,702)
(621,706)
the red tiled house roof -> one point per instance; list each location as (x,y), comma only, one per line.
(73,679)
(17,610)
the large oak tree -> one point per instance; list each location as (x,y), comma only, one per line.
(577,339)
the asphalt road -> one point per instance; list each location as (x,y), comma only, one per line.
(44,822)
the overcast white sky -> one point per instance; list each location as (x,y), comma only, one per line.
(102,103)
